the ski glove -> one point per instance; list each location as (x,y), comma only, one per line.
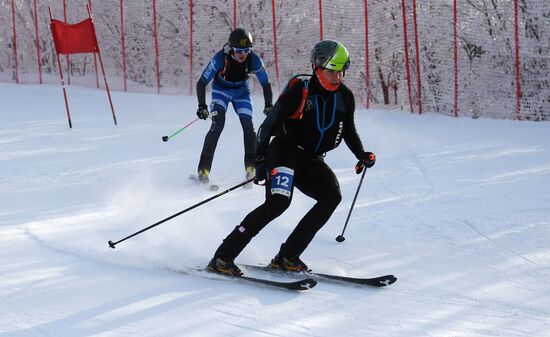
(267,109)
(366,160)
(202,111)
(261,170)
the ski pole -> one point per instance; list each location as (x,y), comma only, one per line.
(341,238)
(166,138)
(113,244)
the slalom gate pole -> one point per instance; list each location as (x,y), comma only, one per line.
(89,7)
(167,138)
(62,79)
(341,238)
(113,244)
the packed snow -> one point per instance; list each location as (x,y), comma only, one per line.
(458,209)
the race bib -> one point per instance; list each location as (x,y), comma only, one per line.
(282,181)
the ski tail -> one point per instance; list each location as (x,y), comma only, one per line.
(209,185)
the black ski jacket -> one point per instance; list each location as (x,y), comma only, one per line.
(327,118)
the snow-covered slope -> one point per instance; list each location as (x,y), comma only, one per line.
(457,209)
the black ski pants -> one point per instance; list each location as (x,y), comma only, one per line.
(312,176)
(213,135)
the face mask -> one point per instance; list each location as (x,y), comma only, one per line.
(324,82)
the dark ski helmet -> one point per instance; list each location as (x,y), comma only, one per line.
(330,54)
(240,38)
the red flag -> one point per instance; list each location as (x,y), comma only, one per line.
(73,39)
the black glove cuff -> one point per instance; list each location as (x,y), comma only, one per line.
(203,106)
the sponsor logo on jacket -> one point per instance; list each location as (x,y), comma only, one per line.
(339,134)
(211,67)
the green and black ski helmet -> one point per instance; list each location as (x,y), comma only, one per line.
(240,38)
(330,54)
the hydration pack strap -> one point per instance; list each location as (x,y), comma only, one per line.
(298,114)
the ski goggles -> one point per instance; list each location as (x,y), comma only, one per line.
(241,50)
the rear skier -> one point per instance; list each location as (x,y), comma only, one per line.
(230,69)
(311,117)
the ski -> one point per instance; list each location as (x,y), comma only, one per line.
(379,281)
(303,284)
(298,285)
(209,186)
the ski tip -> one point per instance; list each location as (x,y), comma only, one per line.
(307,283)
(387,280)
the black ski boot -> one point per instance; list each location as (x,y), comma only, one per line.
(288,263)
(224,266)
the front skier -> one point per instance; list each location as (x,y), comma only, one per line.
(309,119)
